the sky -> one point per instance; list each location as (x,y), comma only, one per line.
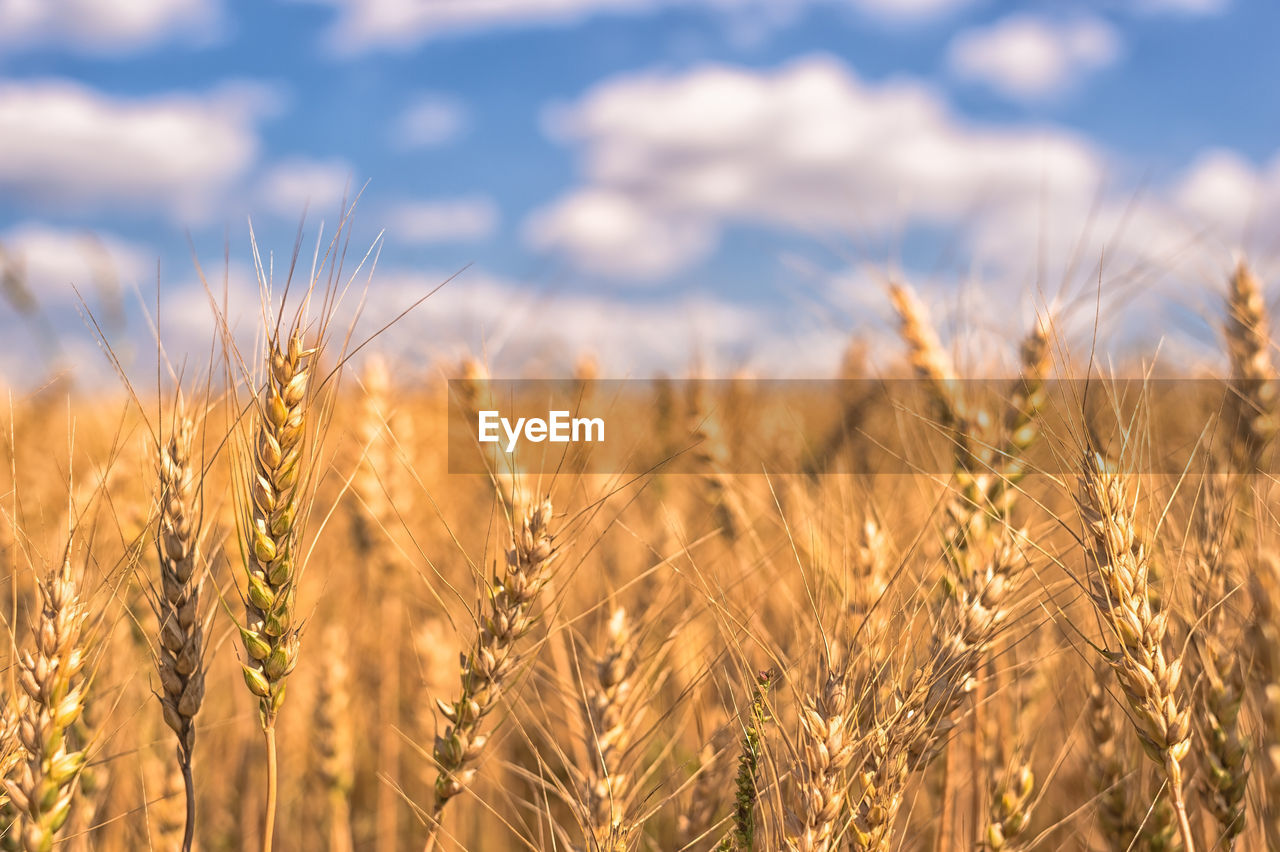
(645,182)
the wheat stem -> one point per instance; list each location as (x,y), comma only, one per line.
(269,821)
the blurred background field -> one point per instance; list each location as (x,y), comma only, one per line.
(1053,625)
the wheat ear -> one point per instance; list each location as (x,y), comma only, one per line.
(1120,591)
(1010,811)
(374,513)
(610,723)
(492,659)
(933,365)
(910,735)
(1264,636)
(1106,766)
(10,748)
(826,749)
(273,530)
(180,659)
(54,685)
(1217,669)
(742,833)
(334,742)
(1252,396)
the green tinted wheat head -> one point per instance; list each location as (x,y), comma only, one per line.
(1010,811)
(54,684)
(271,509)
(180,659)
(269,633)
(1027,398)
(1119,588)
(742,832)
(492,659)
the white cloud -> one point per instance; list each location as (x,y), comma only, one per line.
(1182,7)
(667,159)
(481,314)
(1161,244)
(429,121)
(610,233)
(364,24)
(1220,186)
(298,184)
(52,262)
(1227,198)
(103,27)
(64,144)
(1027,57)
(446,220)
(402,23)
(910,9)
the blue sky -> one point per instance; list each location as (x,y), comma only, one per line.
(641,180)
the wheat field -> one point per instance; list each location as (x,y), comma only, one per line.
(253,609)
